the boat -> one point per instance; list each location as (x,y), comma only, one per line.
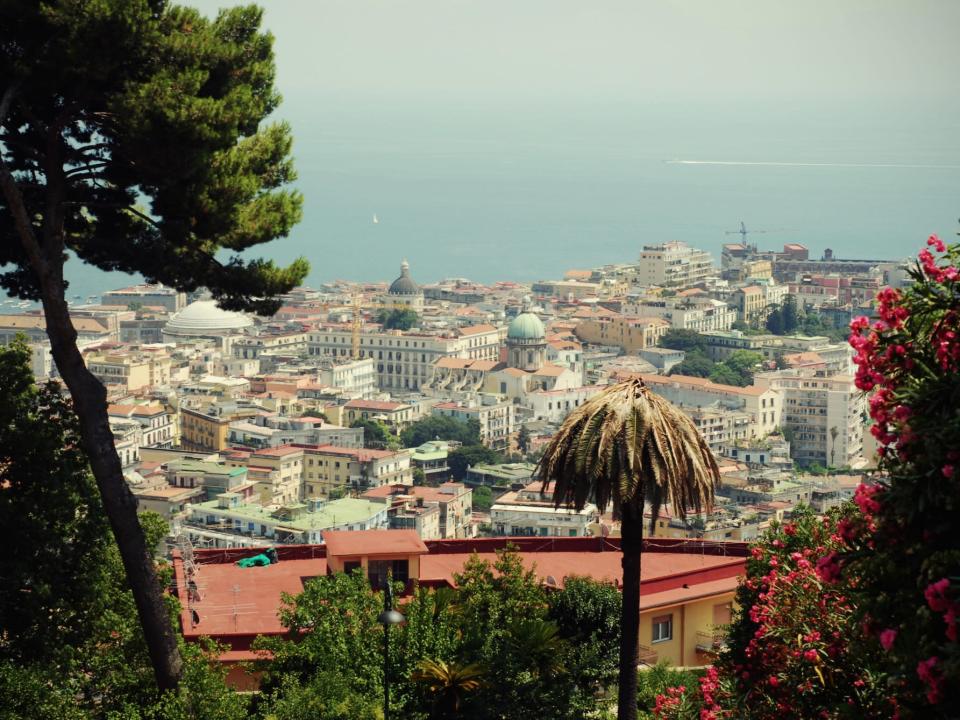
(376,220)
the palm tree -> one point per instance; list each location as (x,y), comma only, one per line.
(626,447)
(448,683)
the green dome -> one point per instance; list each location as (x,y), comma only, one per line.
(526,326)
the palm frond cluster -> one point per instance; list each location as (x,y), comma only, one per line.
(627,445)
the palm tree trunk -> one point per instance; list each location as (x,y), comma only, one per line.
(631,545)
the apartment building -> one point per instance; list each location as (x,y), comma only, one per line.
(156,422)
(825,412)
(405,360)
(494,416)
(202,430)
(701,314)
(148,296)
(531,512)
(213,477)
(276,472)
(395,414)
(252,347)
(130,369)
(354,378)
(453,503)
(673,265)
(331,471)
(631,333)
(273,430)
(763,404)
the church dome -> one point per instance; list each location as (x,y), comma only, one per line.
(404,285)
(203,317)
(526,326)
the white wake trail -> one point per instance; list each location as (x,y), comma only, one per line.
(812,164)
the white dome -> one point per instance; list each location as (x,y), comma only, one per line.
(204,317)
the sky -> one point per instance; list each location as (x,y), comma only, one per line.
(624,49)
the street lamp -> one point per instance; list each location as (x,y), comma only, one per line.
(388,617)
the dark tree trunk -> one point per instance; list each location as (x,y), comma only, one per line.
(45,256)
(631,545)
(90,401)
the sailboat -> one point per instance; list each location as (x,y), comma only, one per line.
(376,220)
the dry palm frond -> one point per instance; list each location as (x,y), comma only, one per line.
(626,446)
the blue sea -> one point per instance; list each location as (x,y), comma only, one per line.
(524,190)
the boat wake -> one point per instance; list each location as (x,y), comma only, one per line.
(813,164)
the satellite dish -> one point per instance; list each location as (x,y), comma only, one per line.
(551,581)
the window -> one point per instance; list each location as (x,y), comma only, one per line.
(662,628)
(377,571)
(350,565)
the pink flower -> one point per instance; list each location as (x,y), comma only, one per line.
(810,655)
(828,568)
(936,595)
(947,471)
(928,674)
(936,243)
(773,680)
(865,498)
(887,638)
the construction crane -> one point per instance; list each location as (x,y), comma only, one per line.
(743,232)
(355,329)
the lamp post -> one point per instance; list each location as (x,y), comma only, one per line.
(387,618)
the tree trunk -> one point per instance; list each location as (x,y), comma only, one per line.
(45,256)
(90,402)
(631,545)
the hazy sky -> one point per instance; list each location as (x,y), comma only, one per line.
(624,49)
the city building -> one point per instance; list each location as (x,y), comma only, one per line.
(214,478)
(531,512)
(146,296)
(204,319)
(396,415)
(825,413)
(431,458)
(332,471)
(404,293)
(494,416)
(701,314)
(156,422)
(34,326)
(763,404)
(687,587)
(405,360)
(277,472)
(452,501)
(201,430)
(630,333)
(289,524)
(131,370)
(554,405)
(673,265)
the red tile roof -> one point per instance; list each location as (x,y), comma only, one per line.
(374,405)
(236,604)
(373,542)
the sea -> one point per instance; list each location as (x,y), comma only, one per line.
(525,189)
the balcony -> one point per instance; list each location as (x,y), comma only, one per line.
(710,643)
(646,656)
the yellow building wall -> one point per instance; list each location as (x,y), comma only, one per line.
(688,619)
